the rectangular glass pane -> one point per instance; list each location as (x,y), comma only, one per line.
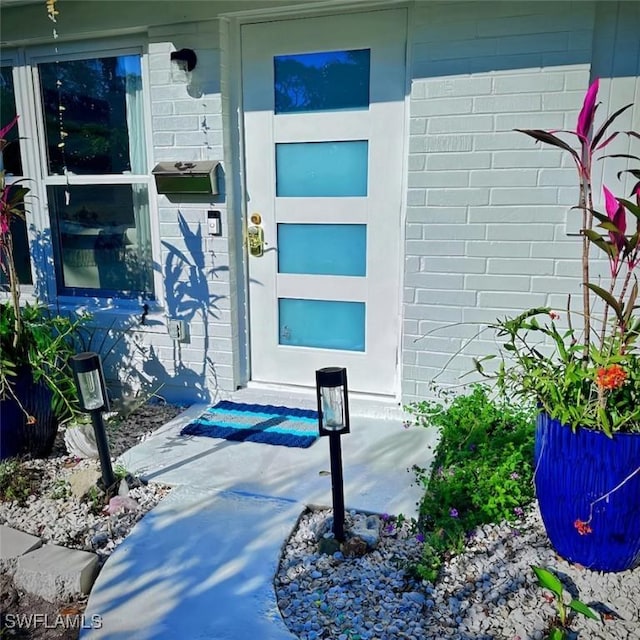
(93,115)
(324,324)
(102,240)
(322,169)
(323,249)
(21,253)
(10,156)
(323,81)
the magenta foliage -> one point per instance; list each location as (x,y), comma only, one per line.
(585,119)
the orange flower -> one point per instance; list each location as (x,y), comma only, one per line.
(611,377)
(582,527)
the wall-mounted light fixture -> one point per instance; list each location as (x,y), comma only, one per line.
(185,59)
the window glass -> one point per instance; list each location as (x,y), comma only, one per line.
(100,244)
(323,324)
(11,164)
(322,169)
(94,126)
(21,254)
(10,157)
(323,249)
(93,115)
(322,81)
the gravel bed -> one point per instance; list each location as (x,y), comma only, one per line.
(55,515)
(487,593)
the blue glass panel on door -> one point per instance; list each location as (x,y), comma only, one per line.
(322,169)
(324,324)
(323,81)
(323,249)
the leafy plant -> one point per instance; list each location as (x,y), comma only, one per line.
(35,344)
(549,581)
(16,481)
(61,489)
(96,499)
(44,345)
(587,376)
(481,473)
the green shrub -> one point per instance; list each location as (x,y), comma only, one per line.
(482,471)
(16,481)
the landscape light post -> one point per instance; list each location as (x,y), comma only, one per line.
(89,378)
(333,421)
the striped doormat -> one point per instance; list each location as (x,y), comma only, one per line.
(256,423)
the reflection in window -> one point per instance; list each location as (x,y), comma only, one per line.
(323,81)
(103,239)
(93,115)
(11,164)
(94,124)
(21,254)
(10,157)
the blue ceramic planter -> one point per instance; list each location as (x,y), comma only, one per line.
(16,436)
(573,470)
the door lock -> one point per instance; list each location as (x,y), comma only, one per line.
(255,241)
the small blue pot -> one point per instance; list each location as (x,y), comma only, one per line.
(574,470)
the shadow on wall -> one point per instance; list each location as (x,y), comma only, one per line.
(138,357)
(188,298)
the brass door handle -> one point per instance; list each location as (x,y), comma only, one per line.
(255,241)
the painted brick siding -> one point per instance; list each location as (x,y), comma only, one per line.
(186,124)
(487,207)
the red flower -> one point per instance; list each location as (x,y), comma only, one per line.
(553,315)
(582,527)
(611,377)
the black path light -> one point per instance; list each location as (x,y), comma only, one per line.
(89,378)
(333,421)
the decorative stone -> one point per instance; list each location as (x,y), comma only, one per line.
(80,441)
(82,480)
(54,572)
(328,546)
(15,543)
(355,547)
(367,528)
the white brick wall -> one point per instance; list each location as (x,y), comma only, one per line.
(486,207)
(196,277)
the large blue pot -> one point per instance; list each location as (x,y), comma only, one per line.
(574,470)
(17,436)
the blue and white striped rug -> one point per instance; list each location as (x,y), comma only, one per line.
(256,423)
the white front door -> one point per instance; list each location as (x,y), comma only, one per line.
(323,102)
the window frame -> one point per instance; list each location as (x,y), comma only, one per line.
(71,296)
(15,60)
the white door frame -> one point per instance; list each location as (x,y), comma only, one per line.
(237,203)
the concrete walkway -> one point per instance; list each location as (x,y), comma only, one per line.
(201,564)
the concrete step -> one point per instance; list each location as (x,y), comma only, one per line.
(360,404)
(53,572)
(14,543)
